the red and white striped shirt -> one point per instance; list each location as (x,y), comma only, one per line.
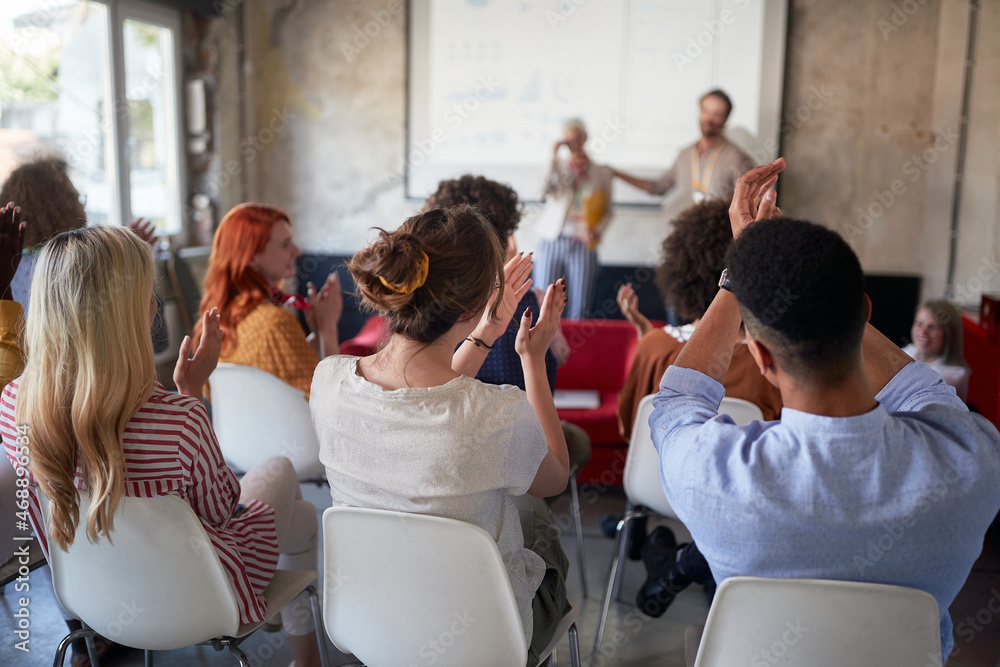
(170,449)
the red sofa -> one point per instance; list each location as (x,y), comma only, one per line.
(601,354)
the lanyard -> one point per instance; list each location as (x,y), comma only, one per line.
(701,177)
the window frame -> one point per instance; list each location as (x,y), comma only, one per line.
(117,153)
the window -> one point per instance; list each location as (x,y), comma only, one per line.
(97,82)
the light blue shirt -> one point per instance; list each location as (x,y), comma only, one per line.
(900,495)
(20,285)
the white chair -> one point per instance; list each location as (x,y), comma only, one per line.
(819,623)
(256,416)
(160,584)
(644,492)
(403,589)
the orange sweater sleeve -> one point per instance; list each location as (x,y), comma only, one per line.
(655,352)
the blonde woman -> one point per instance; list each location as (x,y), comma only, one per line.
(97,421)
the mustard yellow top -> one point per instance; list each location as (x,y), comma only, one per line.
(270,338)
(11,352)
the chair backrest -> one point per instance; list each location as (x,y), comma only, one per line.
(819,623)
(158,585)
(403,589)
(186,269)
(742,411)
(256,416)
(643,484)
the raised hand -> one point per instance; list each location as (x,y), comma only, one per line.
(628,303)
(11,244)
(751,201)
(326,305)
(145,229)
(533,341)
(517,282)
(191,373)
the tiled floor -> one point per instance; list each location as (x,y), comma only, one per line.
(631,639)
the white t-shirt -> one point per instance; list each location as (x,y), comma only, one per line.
(956,376)
(461,450)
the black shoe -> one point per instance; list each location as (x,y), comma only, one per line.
(664,580)
(609,525)
(658,593)
(637,533)
(661,550)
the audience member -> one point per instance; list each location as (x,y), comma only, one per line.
(42,188)
(402,430)
(937,341)
(498,203)
(252,254)
(693,256)
(577,211)
(92,304)
(11,358)
(869,443)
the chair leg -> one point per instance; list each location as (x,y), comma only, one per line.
(91,649)
(238,653)
(324,657)
(609,589)
(67,640)
(574,646)
(623,549)
(149,658)
(580,552)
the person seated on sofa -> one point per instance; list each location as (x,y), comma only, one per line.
(402,430)
(693,256)
(252,255)
(937,341)
(867,438)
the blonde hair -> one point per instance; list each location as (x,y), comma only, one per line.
(89,369)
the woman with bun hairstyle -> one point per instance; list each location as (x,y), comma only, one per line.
(402,430)
(96,419)
(252,255)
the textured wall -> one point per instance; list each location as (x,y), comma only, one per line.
(872,100)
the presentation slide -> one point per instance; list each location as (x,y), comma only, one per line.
(491,83)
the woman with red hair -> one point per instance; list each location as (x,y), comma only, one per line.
(252,254)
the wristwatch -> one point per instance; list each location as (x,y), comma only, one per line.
(724,282)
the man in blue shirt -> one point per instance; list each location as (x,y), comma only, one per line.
(876,472)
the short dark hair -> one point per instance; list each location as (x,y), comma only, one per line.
(497,202)
(721,94)
(801,292)
(693,257)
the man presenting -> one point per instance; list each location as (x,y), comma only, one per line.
(870,443)
(709,168)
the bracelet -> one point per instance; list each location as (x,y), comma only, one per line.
(478,342)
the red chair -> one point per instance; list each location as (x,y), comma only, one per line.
(367,340)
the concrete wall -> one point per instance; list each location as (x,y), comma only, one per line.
(872,103)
